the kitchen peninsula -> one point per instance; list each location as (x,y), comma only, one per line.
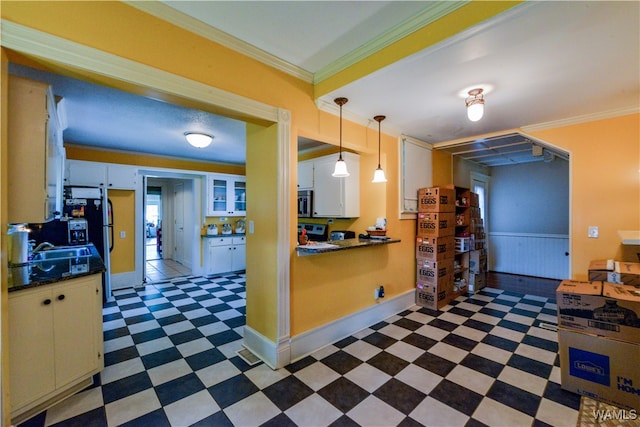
(315,248)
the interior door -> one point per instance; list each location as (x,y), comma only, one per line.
(178,220)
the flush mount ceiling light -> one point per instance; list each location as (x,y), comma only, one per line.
(378,175)
(340,170)
(198,140)
(475,104)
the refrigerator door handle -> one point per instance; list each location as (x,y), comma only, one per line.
(110,225)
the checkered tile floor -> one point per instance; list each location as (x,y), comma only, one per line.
(171,356)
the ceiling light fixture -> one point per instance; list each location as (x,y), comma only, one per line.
(378,175)
(198,140)
(340,170)
(475,104)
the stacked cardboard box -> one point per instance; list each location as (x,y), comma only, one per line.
(435,246)
(599,337)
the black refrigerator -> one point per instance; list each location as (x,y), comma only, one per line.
(93,205)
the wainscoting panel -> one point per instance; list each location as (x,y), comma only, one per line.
(539,255)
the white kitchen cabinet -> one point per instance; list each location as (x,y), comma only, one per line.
(33,152)
(305,175)
(55,342)
(336,197)
(225,254)
(97,174)
(226,195)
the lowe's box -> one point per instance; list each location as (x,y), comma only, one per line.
(600,368)
(600,308)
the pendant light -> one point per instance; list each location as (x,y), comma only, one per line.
(475,104)
(340,170)
(378,175)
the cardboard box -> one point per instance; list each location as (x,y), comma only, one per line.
(600,308)
(600,368)
(432,296)
(478,261)
(436,224)
(435,272)
(435,248)
(627,273)
(477,281)
(436,199)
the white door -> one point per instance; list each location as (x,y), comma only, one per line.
(178,221)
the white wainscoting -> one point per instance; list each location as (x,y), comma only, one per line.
(539,255)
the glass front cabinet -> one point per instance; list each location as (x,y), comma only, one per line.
(226,195)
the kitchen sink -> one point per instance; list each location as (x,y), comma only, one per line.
(66,252)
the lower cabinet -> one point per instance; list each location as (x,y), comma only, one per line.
(55,342)
(225,254)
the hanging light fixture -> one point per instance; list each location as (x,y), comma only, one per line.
(340,170)
(475,105)
(198,140)
(378,175)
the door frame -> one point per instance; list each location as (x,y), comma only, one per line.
(271,345)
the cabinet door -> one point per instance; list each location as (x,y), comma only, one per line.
(27,150)
(92,174)
(327,191)
(122,177)
(221,259)
(305,175)
(75,319)
(239,197)
(217,194)
(31,357)
(239,261)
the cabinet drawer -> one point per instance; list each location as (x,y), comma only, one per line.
(220,241)
(239,240)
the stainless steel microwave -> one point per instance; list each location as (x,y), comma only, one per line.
(305,203)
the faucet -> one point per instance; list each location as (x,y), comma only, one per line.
(42,246)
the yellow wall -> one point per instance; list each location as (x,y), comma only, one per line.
(94,155)
(605,185)
(262,259)
(123,255)
(4,216)
(122,30)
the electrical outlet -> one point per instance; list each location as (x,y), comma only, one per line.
(123,234)
(593,232)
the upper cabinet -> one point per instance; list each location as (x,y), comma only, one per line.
(305,175)
(96,174)
(35,153)
(332,197)
(226,195)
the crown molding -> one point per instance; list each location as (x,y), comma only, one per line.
(189,23)
(582,119)
(55,49)
(429,15)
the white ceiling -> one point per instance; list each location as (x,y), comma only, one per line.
(542,61)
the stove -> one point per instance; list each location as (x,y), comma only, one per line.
(316,232)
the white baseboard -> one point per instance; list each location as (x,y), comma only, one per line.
(264,348)
(306,343)
(124,280)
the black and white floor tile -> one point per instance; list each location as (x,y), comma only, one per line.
(171,360)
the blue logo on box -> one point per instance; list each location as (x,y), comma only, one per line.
(589,366)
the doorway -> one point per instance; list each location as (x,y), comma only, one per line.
(168,207)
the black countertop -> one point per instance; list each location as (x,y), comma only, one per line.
(39,273)
(315,248)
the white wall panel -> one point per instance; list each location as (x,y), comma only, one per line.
(539,255)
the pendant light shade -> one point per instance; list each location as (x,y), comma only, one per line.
(378,175)
(340,170)
(475,105)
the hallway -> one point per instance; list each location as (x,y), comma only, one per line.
(158,269)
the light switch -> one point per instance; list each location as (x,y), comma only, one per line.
(123,234)
(250,227)
(593,232)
